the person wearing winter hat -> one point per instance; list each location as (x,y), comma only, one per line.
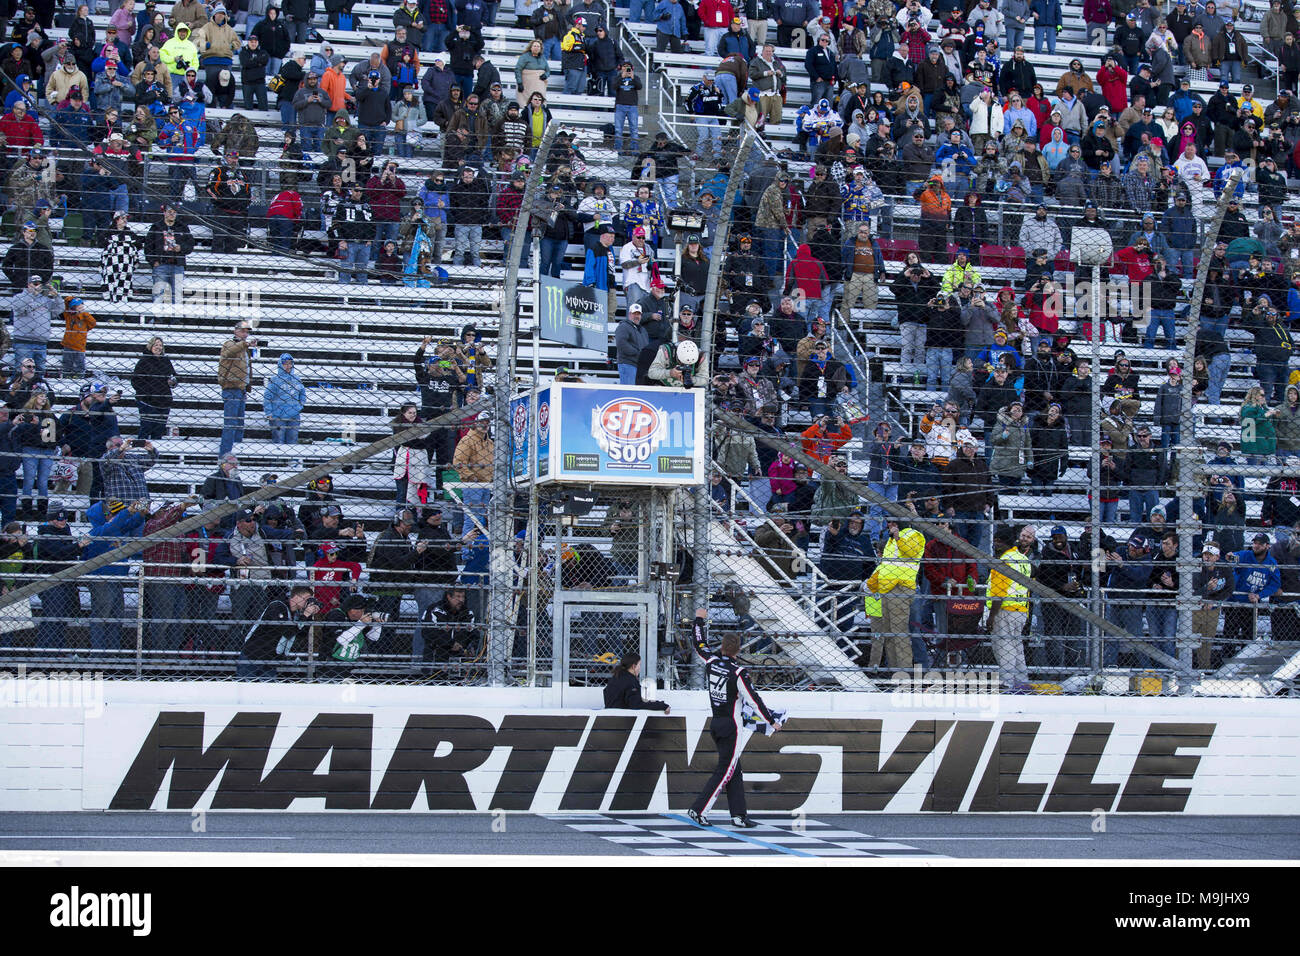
(218,44)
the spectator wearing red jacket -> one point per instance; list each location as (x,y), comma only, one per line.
(951,575)
(715,18)
(284,214)
(1113,80)
(385,192)
(166,566)
(20,129)
(807,274)
(332,576)
(1044,303)
(207,582)
(1135,260)
(509,199)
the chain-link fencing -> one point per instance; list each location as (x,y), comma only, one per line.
(921,335)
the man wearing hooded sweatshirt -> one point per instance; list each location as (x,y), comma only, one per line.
(895,580)
(217,43)
(179,54)
(283,400)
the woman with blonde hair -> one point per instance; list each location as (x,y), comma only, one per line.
(531,71)
(1258,436)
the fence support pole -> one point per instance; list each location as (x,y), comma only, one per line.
(501,503)
(1188,453)
(139,624)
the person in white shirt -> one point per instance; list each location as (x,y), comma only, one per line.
(914,10)
(635,259)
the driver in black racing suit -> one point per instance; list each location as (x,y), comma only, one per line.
(729,691)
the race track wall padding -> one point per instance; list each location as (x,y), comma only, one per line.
(227,746)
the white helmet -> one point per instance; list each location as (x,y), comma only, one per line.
(688,353)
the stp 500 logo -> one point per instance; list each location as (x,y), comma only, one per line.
(628,430)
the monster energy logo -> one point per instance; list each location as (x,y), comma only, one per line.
(553,307)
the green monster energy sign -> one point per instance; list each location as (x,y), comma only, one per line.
(575,315)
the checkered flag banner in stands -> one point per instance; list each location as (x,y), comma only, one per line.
(997,384)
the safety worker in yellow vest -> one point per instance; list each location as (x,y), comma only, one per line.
(1008,606)
(895,581)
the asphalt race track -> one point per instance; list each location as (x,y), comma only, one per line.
(907,838)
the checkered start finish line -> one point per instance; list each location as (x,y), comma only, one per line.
(675,835)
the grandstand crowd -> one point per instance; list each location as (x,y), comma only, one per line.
(923,186)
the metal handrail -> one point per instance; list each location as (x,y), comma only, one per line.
(738,490)
(792,589)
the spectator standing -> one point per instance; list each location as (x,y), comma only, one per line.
(1008,604)
(152,381)
(167,566)
(283,400)
(1256,579)
(125,461)
(895,580)
(473,463)
(235,376)
(34,311)
(166,246)
(468,213)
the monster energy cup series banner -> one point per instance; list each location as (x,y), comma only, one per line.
(576,315)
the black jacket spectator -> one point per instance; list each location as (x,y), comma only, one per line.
(967,484)
(446,627)
(156,250)
(468,203)
(624,693)
(912,295)
(23,261)
(1051,450)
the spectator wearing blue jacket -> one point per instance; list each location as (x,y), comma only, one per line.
(474,554)
(111,522)
(670,26)
(1258,578)
(1046,17)
(1231,164)
(22,91)
(1178,226)
(283,399)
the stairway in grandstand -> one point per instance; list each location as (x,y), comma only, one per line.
(801,631)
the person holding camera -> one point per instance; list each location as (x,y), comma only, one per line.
(274,634)
(345,632)
(451,628)
(34,311)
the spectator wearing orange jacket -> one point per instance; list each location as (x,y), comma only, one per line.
(335,85)
(824,437)
(77,322)
(936,208)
